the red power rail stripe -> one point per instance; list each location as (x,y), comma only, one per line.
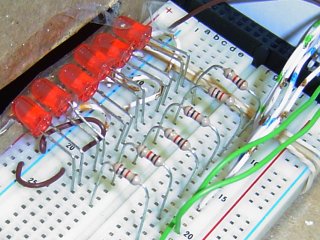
(242,196)
(151,21)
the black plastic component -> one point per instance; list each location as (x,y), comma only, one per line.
(265,47)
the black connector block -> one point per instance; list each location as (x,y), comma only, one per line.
(265,47)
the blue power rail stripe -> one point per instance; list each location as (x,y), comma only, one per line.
(276,203)
(52,147)
(102,101)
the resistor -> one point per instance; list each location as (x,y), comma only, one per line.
(182,143)
(190,112)
(144,152)
(238,81)
(242,84)
(155,159)
(204,121)
(216,92)
(126,173)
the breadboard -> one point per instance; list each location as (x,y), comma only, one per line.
(244,210)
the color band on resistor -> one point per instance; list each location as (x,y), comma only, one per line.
(126,173)
(204,121)
(182,143)
(217,93)
(235,78)
(155,159)
(144,152)
(242,85)
(190,112)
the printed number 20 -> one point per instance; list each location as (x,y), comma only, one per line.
(70,146)
(188,235)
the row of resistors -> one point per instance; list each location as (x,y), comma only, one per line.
(74,86)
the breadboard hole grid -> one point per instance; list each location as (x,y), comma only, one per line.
(55,212)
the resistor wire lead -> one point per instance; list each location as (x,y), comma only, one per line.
(134,179)
(240,83)
(183,145)
(204,121)
(217,93)
(193,91)
(163,87)
(140,57)
(58,129)
(143,152)
(165,112)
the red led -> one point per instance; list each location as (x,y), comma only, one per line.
(113,48)
(51,96)
(31,115)
(135,33)
(85,57)
(78,81)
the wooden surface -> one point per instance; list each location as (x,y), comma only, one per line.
(33,28)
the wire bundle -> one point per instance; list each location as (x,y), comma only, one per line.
(269,123)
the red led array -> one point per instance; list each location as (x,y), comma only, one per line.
(133,32)
(99,67)
(78,81)
(31,115)
(51,96)
(113,48)
(105,53)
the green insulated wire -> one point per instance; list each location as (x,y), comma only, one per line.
(245,174)
(309,37)
(259,141)
(205,189)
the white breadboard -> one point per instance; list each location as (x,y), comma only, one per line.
(244,210)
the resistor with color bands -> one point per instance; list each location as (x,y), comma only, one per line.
(217,93)
(182,143)
(238,81)
(197,116)
(155,159)
(126,173)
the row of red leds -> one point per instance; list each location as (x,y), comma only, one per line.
(93,62)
